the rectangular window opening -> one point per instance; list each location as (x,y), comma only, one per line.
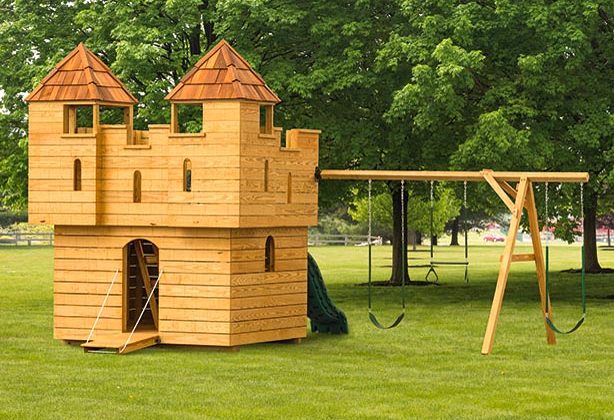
(78,119)
(266,119)
(188,118)
(113,115)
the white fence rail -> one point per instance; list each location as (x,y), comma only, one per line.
(319,239)
(26,238)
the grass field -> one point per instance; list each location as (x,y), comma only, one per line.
(430,366)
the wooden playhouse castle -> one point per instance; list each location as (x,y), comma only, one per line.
(219,216)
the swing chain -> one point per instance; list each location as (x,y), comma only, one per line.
(546,217)
(582,205)
(432,203)
(403,222)
(465,194)
(369,210)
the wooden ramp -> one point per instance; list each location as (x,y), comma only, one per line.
(114,343)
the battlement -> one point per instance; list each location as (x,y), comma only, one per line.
(88,166)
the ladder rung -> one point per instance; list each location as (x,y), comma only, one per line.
(150,259)
(521,257)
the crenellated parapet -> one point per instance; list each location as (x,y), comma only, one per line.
(229,167)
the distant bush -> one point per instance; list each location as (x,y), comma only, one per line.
(25,227)
(8,218)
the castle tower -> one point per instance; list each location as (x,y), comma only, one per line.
(65,137)
(213,204)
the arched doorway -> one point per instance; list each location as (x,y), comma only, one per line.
(140,275)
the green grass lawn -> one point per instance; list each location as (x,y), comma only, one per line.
(430,366)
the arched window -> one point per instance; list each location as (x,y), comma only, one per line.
(187,175)
(269,255)
(136,187)
(289,198)
(76,176)
(266,176)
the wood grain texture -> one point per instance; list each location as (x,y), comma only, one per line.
(222,74)
(81,76)
(214,282)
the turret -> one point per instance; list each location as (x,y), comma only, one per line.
(66,111)
(241,176)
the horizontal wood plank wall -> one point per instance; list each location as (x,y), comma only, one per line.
(195,286)
(260,208)
(119,164)
(268,306)
(214,157)
(51,197)
(227,162)
(214,290)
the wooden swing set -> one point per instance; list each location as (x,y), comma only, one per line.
(516,198)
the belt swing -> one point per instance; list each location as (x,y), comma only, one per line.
(372,316)
(582,281)
(433,263)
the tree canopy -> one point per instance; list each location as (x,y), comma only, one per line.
(418,84)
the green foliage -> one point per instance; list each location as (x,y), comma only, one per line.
(25,227)
(7,218)
(190,118)
(445,207)
(332,224)
(381,214)
(407,84)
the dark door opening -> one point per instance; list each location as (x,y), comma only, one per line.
(141,273)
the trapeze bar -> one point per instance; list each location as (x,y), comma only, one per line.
(476,176)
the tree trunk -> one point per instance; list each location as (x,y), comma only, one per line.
(399,252)
(609,239)
(591,260)
(413,239)
(455,227)
(434,240)
(194,41)
(418,238)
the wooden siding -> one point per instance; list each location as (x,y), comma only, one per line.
(51,198)
(299,157)
(214,290)
(228,165)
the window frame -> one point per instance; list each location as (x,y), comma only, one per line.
(176,123)
(267,128)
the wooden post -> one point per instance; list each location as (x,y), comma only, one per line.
(175,119)
(128,121)
(540,266)
(504,268)
(95,118)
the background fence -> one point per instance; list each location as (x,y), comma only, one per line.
(26,238)
(318,239)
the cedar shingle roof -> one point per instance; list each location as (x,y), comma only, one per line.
(222,74)
(81,76)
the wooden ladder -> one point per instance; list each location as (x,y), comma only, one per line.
(145,261)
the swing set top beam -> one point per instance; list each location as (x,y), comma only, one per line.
(474,176)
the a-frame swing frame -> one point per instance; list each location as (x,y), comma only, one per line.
(516,199)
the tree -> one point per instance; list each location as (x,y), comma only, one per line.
(149,44)
(33,37)
(518,83)
(420,84)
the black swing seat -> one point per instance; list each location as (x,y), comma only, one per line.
(436,263)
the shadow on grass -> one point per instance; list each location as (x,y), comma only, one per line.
(563,290)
